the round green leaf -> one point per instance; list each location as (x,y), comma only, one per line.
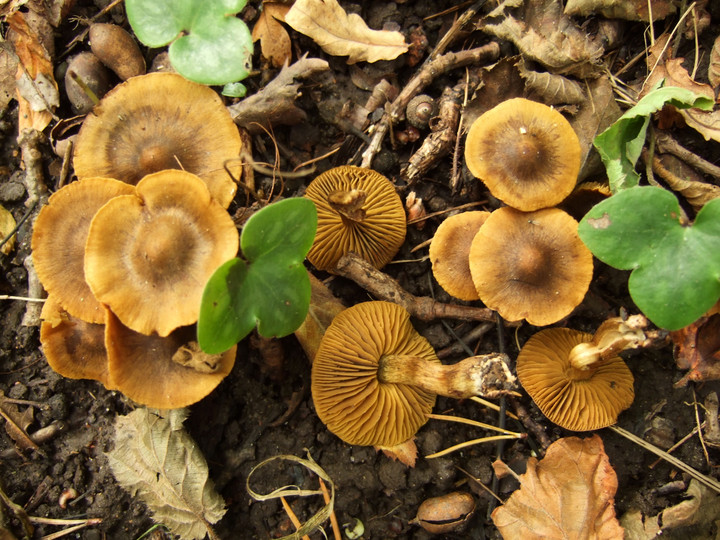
(290,222)
(216,51)
(157,22)
(676,268)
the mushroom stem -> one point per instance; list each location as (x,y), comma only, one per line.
(349,204)
(614,335)
(485,375)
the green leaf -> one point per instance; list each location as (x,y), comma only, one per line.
(270,290)
(216,47)
(620,145)
(675,268)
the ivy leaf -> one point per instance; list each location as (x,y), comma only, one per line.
(620,145)
(209,45)
(156,460)
(271,288)
(675,268)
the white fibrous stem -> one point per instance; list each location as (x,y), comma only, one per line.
(614,335)
(485,375)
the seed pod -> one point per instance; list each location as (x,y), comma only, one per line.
(85,75)
(446,513)
(420,110)
(117,50)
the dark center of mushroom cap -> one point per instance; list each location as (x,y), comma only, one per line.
(157,157)
(522,152)
(163,248)
(530,264)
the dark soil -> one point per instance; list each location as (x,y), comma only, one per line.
(237,425)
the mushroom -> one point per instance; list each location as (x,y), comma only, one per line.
(163,372)
(374,378)
(149,255)
(450,251)
(74,348)
(358,210)
(526,153)
(584,197)
(160,121)
(576,379)
(58,243)
(530,265)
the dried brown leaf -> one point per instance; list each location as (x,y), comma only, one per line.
(542,32)
(274,40)
(340,34)
(568,494)
(17,423)
(631,10)
(156,460)
(697,348)
(7,224)
(323,308)
(552,89)
(700,511)
(8,68)
(687,182)
(714,67)
(405,453)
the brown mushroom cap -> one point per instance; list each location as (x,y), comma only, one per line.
(579,400)
(450,253)
(348,397)
(58,243)
(142,367)
(149,255)
(526,153)
(530,265)
(74,348)
(160,121)
(358,210)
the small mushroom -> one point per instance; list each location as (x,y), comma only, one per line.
(584,197)
(146,368)
(530,265)
(58,243)
(374,378)
(161,121)
(526,153)
(358,210)
(576,379)
(450,253)
(148,255)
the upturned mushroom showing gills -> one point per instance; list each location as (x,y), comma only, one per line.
(58,243)
(526,153)
(530,265)
(450,253)
(358,210)
(161,121)
(149,255)
(576,379)
(374,378)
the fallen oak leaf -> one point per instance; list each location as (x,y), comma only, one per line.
(274,39)
(156,460)
(340,34)
(568,494)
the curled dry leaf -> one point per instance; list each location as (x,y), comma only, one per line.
(714,67)
(156,460)
(274,39)
(568,494)
(697,348)
(7,225)
(631,10)
(687,182)
(323,308)
(340,34)
(553,89)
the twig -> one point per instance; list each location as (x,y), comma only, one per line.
(459,346)
(333,517)
(667,144)
(434,67)
(491,405)
(475,423)
(697,423)
(292,516)
(702,478)
(460,446)
(533,427)
(354,267)
(678,444)
(35,290)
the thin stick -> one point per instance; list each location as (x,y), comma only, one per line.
(22,298)
(492,406)
(70,530)
(292,516)
(704,479)
(469,443)
(479,483)
(678,444)
(461,420)
(700,433)
(333,517)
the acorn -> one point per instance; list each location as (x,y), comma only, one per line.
(117,50)
(420,110)
(87,80)
(447,513)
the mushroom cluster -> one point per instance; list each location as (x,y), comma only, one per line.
(124,252)
(524,260)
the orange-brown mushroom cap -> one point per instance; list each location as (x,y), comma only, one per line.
(58,243)
(579,400)
(450,253)
(142,367)
(149,255)
(530,265)
(74,348)
(526,153)
(160,121)
(358,210)
(348,396)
